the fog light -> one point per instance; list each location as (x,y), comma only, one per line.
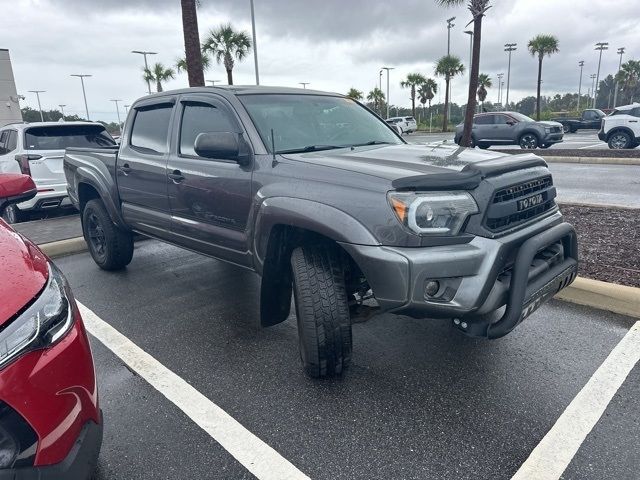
(431,288)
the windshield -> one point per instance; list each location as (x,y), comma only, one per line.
(314,122)
(520,117)
(64,136)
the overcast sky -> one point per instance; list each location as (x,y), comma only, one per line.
(333,44)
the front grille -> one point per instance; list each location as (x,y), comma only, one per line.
(522,190)
(503,212)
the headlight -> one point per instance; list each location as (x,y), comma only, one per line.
(547,129)
(438,213)
(43,323)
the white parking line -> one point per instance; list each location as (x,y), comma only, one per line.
(255,455)
(600,145)
(558,447)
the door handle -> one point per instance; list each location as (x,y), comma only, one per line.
(176,176)
(125,168)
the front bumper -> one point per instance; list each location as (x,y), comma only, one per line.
(602,136)
(79,464)
(520,270)
(551,138)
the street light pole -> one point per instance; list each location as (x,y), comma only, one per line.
(470,33)
(615,93)
(450,25)
(304,84)
(146,65)
(118,113)
(593,79)
(500,75)
(126,109)
(388,102)
(581,65)
(82,76)
(255,45)
(509,47)
(599,46)
(62,109)
(38,92)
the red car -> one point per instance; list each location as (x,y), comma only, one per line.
(50,422)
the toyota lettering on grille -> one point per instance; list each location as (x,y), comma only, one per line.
(530,202)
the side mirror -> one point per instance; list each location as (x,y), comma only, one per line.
(15,188)
(222,145)
(511,123)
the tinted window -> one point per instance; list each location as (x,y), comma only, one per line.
(636,112)
(483,120)
(591,115)
(59,137)
(4,140)
(200,118)
(411,119)
(502,119)
(12,143)
(151,129)
(520,117)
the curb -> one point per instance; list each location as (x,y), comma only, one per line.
(603,296)
(64,247)
(592,160)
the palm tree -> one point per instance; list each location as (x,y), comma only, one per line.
(224,43)
(413,81)
(448,67)
(629,78)
(354,93)
(377,97)
(193,60)
(426,92)
(158,73)
(181,64)
(484,82)
(478,8)
(541,45)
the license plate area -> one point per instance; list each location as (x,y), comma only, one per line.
(548,290)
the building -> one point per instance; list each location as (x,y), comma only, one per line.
(9,100)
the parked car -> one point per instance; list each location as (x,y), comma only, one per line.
(50,421)
(591,119)
(406,124)
(36,149)
(621,129)
(511,128)
(323,200)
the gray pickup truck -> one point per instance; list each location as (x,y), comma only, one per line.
(325,201)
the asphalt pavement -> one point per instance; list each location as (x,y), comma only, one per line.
(420,400)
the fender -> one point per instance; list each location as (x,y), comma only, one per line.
(104,185)
(309,215)
(621,128)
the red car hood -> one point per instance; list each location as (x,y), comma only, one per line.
(23,272)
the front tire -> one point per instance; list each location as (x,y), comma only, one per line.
(110,246)
(322,309)
(529,141)
(620,140)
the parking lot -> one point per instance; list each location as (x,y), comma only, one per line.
(419,400)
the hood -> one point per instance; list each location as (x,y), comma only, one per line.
(397,161)
(23,272)
(550,123)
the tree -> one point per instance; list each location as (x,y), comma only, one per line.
(526,106)
(376,96)
(413,81)
(629,78)
(181,64)
(484,82)
(158,73)
(224,43)
(427,91)
(354,94)
(542,45)
(193,58)
(448,67)
(478,8)
(605,92)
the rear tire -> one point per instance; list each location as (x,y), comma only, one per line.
(620,140)
(12,215)
(110,246)
(322,309)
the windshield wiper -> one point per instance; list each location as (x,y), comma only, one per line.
(372,142)
(312,148)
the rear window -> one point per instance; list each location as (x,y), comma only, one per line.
(65,136)
(411,119)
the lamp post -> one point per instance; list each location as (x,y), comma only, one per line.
(599,46)
(581,65)
(146,65)
(82,76)
(38,92)
(509,47)
(126,109)
(62,105)
(118,113)
(470,33)
(304,84)
(615,93)
(500,82)
(255,45)
(593,79)
(388,101)
(450,25)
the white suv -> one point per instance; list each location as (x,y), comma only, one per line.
(621,129)
(37,149)
(405,124)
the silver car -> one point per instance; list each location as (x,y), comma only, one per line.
(511,128)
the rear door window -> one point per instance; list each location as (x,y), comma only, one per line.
(151,129)
(59,137)
(484,120)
